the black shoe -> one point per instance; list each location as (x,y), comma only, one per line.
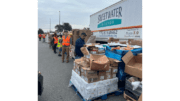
(59,55)
(55,52)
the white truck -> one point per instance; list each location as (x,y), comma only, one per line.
(122,20)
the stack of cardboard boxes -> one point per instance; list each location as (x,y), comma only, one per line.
(93,68)
(135,42)
(76,34)
(133,67)
(111,39)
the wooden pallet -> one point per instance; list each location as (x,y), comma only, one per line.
(128,98)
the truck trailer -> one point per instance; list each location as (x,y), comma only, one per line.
(122,20)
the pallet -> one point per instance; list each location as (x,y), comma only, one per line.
(103,97)
(128,98)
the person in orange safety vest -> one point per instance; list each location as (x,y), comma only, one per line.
(44,36)
(66,45)
(39,37)
(55,39)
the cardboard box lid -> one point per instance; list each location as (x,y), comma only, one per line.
(91,39)
(85,68)
(78,60)
(127,57)
(84,50)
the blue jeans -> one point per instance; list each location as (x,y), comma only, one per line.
(60,50)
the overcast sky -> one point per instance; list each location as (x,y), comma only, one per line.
(75,12)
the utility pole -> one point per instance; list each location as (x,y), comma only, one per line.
(50,24)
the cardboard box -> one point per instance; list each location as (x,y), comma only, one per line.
(111,39)
(135,42)
(75,37)
(88,72)
(86,38)
(76,63)
(92,45)
(91,39)
(114,62)
(110,70)
(77,66)
(102,75)
(108,76)
(87,60)
(114,70)
(133,64)
(99,62)
(113,75)
(91,79)
(115,40)
(84,64)
(122,42)
(84,50)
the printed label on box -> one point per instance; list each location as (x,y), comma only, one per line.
(108,76)
(115,70)
(102,77)
(108,70)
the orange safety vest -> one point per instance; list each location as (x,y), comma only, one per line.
(66,42)
(43,35)
(39,35)
(55,40)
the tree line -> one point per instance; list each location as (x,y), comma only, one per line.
(59,28)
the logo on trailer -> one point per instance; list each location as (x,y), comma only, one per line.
(105,19)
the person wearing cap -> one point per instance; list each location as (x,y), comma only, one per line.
(66,45)
(80,43)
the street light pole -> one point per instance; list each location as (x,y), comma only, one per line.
(59,18)
(50,25)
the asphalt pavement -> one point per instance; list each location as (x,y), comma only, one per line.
(57,75)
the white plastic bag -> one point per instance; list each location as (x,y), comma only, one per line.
(135,84)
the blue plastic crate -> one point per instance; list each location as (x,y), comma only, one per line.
(123,52)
